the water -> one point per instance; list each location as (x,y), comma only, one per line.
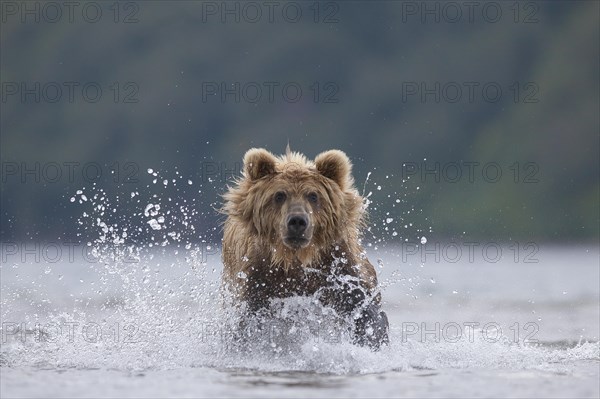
(136,312)
(156,331)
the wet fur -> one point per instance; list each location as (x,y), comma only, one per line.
(332,265)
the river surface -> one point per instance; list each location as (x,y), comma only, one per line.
(464,323)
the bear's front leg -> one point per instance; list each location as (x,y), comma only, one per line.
(370,324)
(371,327)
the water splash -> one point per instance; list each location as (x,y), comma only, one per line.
(153,302)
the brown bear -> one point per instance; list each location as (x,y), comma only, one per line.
(293,228)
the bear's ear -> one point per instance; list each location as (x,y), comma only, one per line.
(258,162)
(335,165)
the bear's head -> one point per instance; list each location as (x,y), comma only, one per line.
(293,207)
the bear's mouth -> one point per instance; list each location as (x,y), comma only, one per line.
(296,242)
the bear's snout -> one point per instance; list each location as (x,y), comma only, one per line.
(297,224)
(298,229)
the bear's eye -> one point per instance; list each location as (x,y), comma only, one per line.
(280,197)
(313,197)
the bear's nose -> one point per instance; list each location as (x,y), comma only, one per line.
(297,224)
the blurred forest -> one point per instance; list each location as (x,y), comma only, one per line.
(367,58)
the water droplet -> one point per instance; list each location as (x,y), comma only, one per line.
(423,240)
(154,224)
